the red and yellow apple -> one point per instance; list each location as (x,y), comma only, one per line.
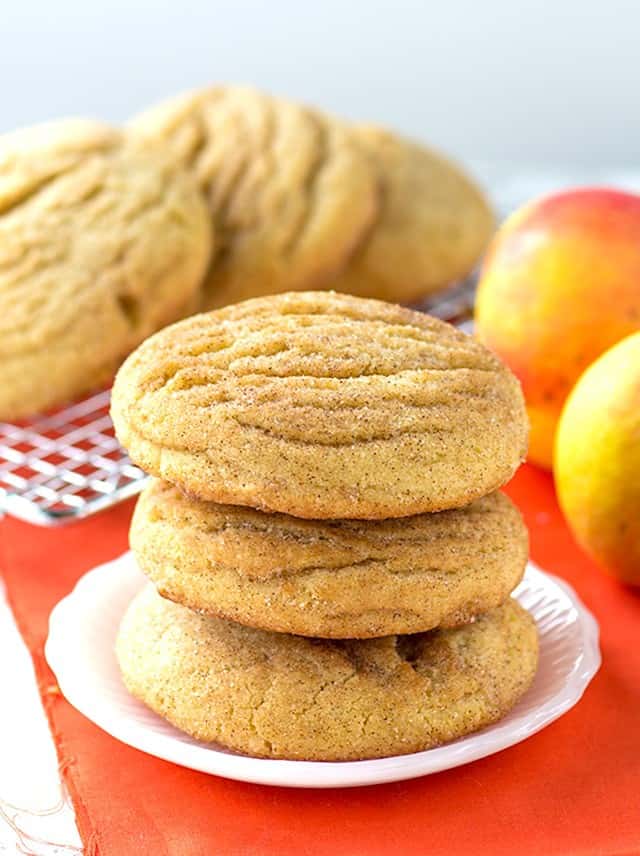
(560,285)
(597,460)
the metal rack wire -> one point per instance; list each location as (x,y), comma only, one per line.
(68,464)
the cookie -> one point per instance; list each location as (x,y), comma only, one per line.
(279,696)
(433,226)
(321,405)
(99,247)
(334,579)
(291,192)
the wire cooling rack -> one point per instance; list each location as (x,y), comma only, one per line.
(68,464)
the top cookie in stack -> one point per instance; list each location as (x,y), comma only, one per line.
(331,468)
(321,405)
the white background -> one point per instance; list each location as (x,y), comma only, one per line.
(518,81)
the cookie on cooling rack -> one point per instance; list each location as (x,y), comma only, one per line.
(301,199)
(335,579)
(279,696)
(434,223)
(100,245)
(321,405)
(291,192)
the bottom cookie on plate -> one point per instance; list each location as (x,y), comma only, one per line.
(279,696)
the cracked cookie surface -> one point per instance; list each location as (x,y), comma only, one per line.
(321,405)
(99,247)
(433,226)
(291,193)
(333,579)
(280,696)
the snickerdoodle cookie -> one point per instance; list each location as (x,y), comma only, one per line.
(321,405)
(291,193)
(337,579)
(99,247)
(433,225)
(281,696)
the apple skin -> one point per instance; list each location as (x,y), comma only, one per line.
(597,460)
(559,286)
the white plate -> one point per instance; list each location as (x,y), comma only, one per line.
(82,631)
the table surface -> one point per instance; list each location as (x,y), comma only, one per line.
(34,813)
(29,780)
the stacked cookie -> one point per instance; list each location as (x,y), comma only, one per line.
(330,560)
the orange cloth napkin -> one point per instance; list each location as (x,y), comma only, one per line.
(574,788)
